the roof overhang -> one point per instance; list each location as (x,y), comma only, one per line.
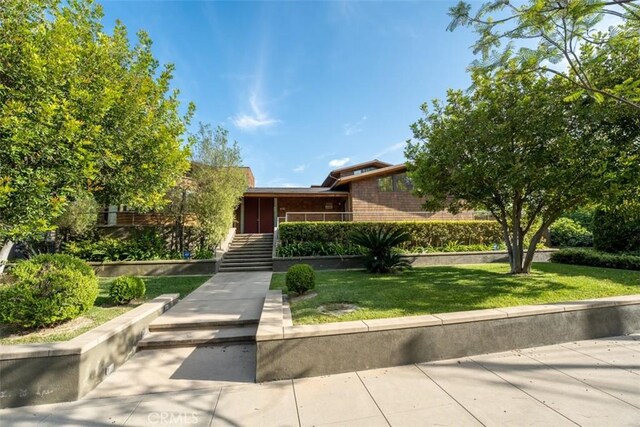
(389,170)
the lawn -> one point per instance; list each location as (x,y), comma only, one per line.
(102,311)
(454,288)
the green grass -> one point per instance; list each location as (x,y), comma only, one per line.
(455,288)
(102,311)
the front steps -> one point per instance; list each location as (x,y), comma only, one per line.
(203,336)
(248,252)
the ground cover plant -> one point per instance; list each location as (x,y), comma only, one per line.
(455,288)
(102,310)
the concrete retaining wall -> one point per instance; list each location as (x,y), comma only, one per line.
(421,260)
(156,268)
(285,352)
(34,374)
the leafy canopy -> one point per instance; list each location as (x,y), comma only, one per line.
(81,111)
(567,38)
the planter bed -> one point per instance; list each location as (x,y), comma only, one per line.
(34,374)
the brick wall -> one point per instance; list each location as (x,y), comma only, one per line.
(367,201)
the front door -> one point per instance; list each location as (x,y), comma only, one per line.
(258,215)
(266,215)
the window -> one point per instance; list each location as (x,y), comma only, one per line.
(385,183)
(359,171)
(395,183)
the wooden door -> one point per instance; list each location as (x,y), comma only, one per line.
(251,214)
(266,215)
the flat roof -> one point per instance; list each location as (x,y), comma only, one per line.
(294,191)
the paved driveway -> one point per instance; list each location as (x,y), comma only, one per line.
(587,383)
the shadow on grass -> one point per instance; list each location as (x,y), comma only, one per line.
(442,289)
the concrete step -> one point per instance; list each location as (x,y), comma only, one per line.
(245,260)
(241,253)
(247,256)
(240,269)
(157,326)
(251,245)
(247,264)
(198,337)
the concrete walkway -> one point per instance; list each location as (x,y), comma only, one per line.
(588,383)
(226,298)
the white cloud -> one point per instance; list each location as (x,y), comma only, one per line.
(300,168)
(353,128)
(336,163)
(259,118)
(390,149)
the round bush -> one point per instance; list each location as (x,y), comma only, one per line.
(46,290)
(566,232)
(300,278)
(126,288)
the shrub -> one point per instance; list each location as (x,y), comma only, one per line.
(300,278)
(46,290)
(597,259)
(126,288)
(379,245)
(143,244)
(617,230)
(566,232)
(583,217)
(334,238)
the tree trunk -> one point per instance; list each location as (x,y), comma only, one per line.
(531,251)
(4,254)
(517,244)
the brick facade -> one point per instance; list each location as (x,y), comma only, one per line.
(368,203)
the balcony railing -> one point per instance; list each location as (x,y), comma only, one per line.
(384,216)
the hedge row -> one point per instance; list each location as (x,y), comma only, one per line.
(422,234)
(596,259)
(617,230)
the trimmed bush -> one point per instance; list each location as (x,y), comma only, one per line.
(126,288)
(565,232)
(334,238)
(300,278)
(617,230)
(596,259)
(46,290)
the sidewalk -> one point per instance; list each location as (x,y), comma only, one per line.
(588,383)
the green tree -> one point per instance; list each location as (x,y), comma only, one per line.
(514,147)
(561,37)
(80,111)
(218,182)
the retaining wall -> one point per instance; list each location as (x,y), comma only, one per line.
(34,374)
(419,260)
(285,352)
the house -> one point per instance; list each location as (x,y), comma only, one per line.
(369,191)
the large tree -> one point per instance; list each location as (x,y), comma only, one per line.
(573,39)
(513,146)
(81,111)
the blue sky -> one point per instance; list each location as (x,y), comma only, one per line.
(305,87)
